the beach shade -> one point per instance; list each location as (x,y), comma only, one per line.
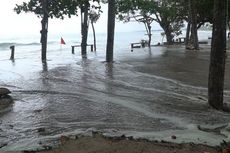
(62,41)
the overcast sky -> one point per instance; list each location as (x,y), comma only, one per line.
(13,24)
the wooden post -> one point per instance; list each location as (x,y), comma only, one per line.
(12,52)
(131,47)
(91,48)
(185,40)
(72,49)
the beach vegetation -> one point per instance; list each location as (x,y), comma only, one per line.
(93,17)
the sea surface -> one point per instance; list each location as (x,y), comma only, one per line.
(149,93)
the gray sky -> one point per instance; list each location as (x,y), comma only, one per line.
(28,24)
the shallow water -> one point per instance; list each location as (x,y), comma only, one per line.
(148,93)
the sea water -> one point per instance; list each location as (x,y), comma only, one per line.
(152,93)
(123,40)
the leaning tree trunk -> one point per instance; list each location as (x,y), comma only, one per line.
(94,36)
(84,30)
(218,55)
(149,32)
(110,30)
(44,30)
(149,35)
(193,15)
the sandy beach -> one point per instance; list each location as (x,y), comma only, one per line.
(100,144)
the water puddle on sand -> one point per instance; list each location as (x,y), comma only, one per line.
(152,94)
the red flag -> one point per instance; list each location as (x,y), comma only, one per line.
(62,41)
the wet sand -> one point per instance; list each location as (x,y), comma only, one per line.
(99,144)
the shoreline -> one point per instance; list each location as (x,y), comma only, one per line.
(101,144)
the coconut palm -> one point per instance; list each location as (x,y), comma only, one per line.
(93,17)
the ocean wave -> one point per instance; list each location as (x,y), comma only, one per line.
(4,45)
(8,44)
(27,44)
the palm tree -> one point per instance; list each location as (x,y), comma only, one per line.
(93,17)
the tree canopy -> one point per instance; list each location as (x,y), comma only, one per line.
(56,8)
(168,13)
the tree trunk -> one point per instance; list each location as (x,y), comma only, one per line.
(217,57)
(227,18)
(149,35)
(44,30)
(110,30)
(194,36)
(84,30)
(94,37)
(149,32)
(169,36)
(188,34)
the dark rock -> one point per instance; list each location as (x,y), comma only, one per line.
(11,126)
(123,136)
(5,102)
(41,130)
(4,92)
(173,137)
(37,111)
(3,145)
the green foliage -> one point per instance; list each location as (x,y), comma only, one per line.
(168,13)
(204,11)
(128,9)
(95,11)
(94,16)
(56,8)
